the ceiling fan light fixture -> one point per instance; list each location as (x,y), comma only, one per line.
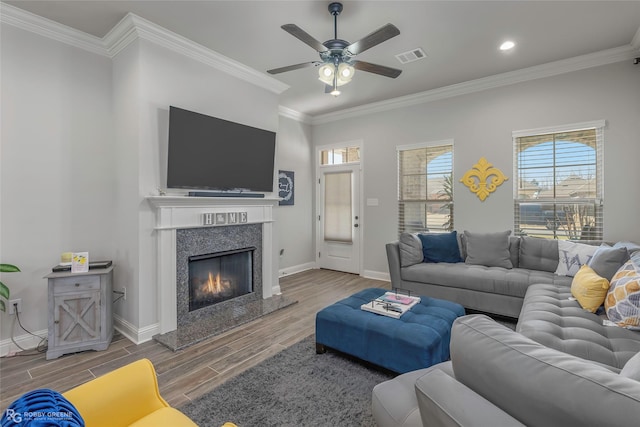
(345,72)
(336,55)
(326,73)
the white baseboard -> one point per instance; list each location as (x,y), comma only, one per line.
(135,335)
(376,275)
(25,341)
(296,269)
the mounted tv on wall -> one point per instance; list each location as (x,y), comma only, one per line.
(208,153)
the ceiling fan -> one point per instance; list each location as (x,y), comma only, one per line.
(337,63)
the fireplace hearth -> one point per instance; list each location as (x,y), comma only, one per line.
(220,276)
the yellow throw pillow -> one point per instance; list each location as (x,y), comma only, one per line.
(589,289)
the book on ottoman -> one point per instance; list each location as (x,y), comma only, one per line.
(391,304)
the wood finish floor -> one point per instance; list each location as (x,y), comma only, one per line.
(187,374)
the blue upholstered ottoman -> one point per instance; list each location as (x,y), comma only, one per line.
(418,339)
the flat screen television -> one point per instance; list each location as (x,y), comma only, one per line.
(209,153)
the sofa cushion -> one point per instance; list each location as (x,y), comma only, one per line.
(497,280)
(589,288)
(572,256)
(440,397)
(394,403)
(631,369)
(440,247)
(538,254)
(551,318)
(632,247)
(490,249)
(410,249)
(623,299)
(537,385)
(606,261)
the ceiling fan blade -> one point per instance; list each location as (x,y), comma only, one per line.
(304,37)
(376,69)
(378,36)
(292,67)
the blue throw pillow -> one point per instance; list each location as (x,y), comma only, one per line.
(440,247)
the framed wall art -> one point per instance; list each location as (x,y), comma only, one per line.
(286,187)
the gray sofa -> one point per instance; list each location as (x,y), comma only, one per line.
(562,365)
(498,377)
(486,288)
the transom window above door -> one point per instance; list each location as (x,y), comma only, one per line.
(340,156)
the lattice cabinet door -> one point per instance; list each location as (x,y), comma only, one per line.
(80,311)
(76,318)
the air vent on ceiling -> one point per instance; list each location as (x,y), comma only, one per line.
(411,55)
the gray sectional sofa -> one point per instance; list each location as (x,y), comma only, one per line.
(562,365)
(488,288)
(498,377)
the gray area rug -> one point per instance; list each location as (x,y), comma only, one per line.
(295,387)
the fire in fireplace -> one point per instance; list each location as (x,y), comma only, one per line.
(220,276)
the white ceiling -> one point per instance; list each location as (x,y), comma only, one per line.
(460,38)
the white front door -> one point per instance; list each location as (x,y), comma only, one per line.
(339,219)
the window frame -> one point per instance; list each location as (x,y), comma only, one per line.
(562,207)
(434,145)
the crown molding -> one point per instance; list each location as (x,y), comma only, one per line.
(550,69)
(295,115)
(132,27)
(129,29)
(36,24)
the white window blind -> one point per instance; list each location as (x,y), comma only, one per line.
(337,207)
(425,188)
(559,189)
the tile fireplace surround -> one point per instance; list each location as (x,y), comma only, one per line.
(184,228)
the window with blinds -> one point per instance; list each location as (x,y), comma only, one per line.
(558,190)
(425,188)
(338,226)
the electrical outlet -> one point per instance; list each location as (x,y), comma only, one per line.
(15,304)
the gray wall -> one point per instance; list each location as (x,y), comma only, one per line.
(480,125)
(83,144)
(295,223)
(56,165)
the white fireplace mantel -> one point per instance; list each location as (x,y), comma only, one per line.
(179,212)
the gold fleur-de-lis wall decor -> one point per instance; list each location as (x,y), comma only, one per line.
(483,179)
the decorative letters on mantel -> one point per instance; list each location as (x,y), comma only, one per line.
(224,218)
(483,179)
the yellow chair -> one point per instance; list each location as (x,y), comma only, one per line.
(128,396)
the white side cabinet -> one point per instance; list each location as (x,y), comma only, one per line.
(80,311)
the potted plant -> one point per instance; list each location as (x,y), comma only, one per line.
(4,290)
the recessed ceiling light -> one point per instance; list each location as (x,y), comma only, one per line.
(508,45)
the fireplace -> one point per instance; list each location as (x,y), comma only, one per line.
(183,232)
(220,276)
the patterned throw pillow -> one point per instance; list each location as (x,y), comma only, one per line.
(572,256)
(623,299)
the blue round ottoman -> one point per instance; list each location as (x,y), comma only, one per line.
(418,339)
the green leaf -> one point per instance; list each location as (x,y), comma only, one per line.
(8,268)
(4,291)
(2,307)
